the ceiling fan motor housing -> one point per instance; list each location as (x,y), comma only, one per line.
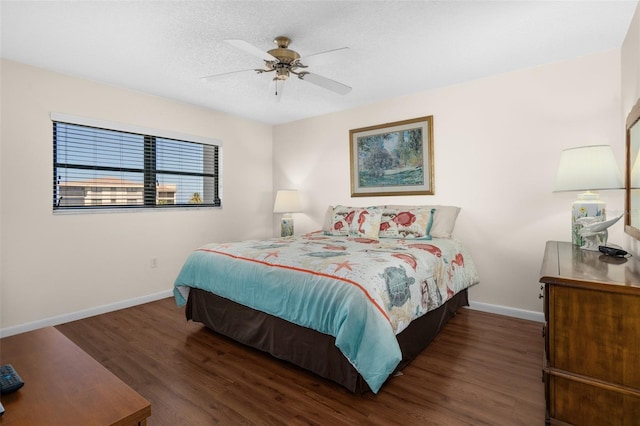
(282,52)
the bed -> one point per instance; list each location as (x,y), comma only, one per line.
(348,307)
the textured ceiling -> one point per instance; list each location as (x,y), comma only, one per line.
(395,47)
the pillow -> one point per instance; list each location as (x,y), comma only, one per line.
(342,219)
(444,219)
(406,223)
(361,222)
(366,223)
(328,217)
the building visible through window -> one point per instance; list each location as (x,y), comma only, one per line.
(97,167)
(110,190)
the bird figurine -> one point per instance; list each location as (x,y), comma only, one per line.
(594,232)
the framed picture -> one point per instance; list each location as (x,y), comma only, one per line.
(392,159)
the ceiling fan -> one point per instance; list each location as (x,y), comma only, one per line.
(284,62)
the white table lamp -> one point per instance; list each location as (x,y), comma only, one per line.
(287,202)
(588,168)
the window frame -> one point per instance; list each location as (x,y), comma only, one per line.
(149,168)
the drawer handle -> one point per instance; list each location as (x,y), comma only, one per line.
(541,296)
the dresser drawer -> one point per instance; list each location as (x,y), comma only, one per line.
(595,333)
(579,403)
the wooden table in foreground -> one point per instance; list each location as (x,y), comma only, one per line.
(64,385)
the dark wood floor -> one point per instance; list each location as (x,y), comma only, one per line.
(481,369)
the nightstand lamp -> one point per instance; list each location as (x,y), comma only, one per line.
(287,202)
(588,168)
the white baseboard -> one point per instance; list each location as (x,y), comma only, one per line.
(505,310)
(85,313)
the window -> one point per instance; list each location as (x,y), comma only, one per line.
(101,167)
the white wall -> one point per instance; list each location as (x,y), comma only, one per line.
(54,265)
(630,60)
(497,146)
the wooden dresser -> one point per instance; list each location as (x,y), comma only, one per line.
(591,366)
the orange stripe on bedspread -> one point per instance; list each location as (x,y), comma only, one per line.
(308,271)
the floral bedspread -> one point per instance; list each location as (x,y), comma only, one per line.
(360,291)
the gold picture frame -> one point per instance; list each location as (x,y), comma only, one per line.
(392,158)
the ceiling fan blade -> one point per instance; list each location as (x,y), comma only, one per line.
(224,74)
(327,83)
(326,57)
(276,88)
(251,49)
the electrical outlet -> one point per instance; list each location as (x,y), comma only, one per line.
(154,262)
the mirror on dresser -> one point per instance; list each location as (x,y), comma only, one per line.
(632,196)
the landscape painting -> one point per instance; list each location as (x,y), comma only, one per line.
(393,158)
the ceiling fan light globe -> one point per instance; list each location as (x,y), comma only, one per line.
(282,73)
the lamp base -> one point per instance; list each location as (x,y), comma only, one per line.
(286,226)
(586,210)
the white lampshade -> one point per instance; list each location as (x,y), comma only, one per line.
(287,201)
(588,168)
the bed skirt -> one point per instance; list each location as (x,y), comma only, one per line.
(304,347)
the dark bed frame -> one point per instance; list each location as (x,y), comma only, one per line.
(304,347)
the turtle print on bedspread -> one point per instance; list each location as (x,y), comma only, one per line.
(397,285)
